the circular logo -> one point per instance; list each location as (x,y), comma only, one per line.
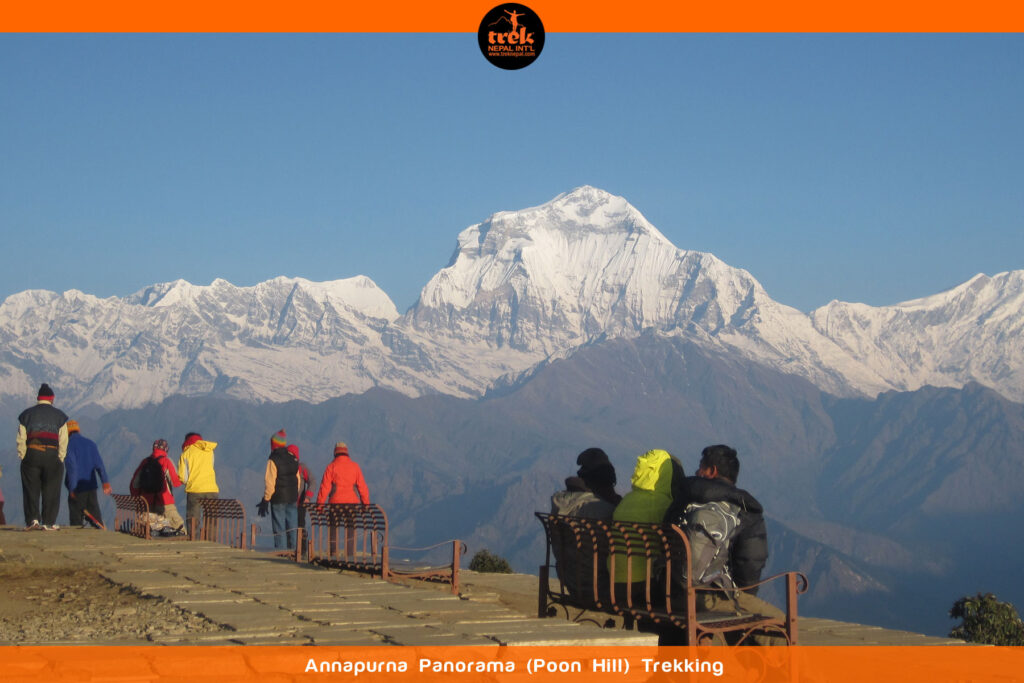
(511,36)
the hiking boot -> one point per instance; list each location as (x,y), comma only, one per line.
(34,525)
(51,527)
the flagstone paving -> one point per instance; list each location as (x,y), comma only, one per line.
(260,599)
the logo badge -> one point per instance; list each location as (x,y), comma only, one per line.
(511,36)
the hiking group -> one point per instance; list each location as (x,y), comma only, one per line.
(51,447)
(724,525)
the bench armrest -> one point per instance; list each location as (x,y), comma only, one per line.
(801,582)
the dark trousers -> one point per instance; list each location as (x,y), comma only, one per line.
(84,500)
(42,473)
(193,510)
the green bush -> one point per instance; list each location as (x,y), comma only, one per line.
(986,620)
(485,562)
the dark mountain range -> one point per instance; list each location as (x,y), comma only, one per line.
(894,507)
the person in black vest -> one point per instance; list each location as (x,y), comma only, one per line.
(42,445)
(281,491)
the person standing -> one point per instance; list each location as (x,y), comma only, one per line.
(281,491)
(42,446)
(153,480)
(343,480)
(343,483)
(195,469)
(82,464)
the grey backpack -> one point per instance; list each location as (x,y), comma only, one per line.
(710,529)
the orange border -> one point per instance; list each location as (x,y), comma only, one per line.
(241,664)
(405,16)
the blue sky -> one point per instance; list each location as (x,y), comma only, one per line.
(873,168)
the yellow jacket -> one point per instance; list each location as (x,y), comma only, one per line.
(195,467)
(648,501)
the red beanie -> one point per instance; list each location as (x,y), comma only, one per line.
(294,450)
(340,448)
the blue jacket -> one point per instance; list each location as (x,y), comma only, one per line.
(81,464)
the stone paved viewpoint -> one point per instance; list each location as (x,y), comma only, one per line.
(259,599)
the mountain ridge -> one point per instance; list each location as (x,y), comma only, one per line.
(522,288)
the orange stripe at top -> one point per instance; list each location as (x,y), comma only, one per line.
(406,16)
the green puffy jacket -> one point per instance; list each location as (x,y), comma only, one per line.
(648,501)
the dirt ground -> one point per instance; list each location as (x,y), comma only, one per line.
(42,605)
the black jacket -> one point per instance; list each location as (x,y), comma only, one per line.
(749,550)
(42,425)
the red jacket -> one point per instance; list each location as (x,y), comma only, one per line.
(170,475)
(346,479)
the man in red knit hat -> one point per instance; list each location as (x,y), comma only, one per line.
(42,445)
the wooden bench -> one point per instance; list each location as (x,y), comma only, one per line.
(131,515)
(223,522)
(588,551)
(355,537)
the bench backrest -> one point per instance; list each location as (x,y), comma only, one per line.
(223,521)
(618,567)
(131,515)
(349,535)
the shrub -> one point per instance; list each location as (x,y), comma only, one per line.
(486,562)
(986,620)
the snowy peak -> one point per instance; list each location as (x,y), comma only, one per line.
(359,294)
(578,254)
(972,332)
(585,265)
(577,242)
(522,289)
(251,342)
(980,294)
(585,210)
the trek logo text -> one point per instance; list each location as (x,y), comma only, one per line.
(511,36)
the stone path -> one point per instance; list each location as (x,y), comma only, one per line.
(261,599)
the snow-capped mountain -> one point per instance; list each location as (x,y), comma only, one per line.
(279,340)
(526,285)
(973,332)
(523,287)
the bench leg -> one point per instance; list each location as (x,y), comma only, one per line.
(542,593)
